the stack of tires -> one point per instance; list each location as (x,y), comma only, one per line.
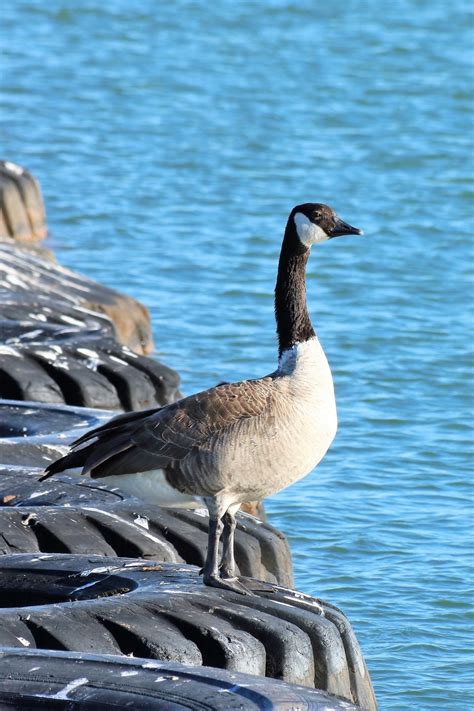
(101,600)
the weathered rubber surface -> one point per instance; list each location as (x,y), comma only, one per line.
(29,275)
(163,611)
(46,423)
(32,679)
(71,356)
(67,514)
(22,214)
(33,434)
(47,295)
(54,349)
(101,375)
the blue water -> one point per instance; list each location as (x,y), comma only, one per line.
(172,139)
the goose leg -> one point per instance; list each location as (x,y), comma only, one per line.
(227,566)
(210,569)
(211,573)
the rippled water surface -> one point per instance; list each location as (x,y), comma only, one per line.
(172,139)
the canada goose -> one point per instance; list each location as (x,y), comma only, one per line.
(239,441)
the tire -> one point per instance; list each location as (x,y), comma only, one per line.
(32,679)
(67,514)
(162,611)
(39,286)
(33,434)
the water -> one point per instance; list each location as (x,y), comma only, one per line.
(171,141)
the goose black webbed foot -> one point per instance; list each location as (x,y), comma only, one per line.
(232,584)
(259,586)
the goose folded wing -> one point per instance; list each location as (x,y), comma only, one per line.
(182,429)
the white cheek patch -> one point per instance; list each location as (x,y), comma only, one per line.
(307,231)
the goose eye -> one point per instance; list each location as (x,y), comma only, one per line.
(316,215)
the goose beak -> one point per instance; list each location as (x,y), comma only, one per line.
(343,228)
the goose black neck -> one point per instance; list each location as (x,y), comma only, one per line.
(291,313)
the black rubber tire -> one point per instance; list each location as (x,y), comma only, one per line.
(96,605)
(68,514)
(33,434)
(101,375)
(46,424)
(34,679)
(73,336)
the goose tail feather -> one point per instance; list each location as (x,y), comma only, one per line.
(96,447)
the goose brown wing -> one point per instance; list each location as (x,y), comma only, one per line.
(186,428)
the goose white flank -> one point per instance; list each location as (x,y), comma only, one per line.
(239,441)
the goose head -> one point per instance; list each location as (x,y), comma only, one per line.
(314,222)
